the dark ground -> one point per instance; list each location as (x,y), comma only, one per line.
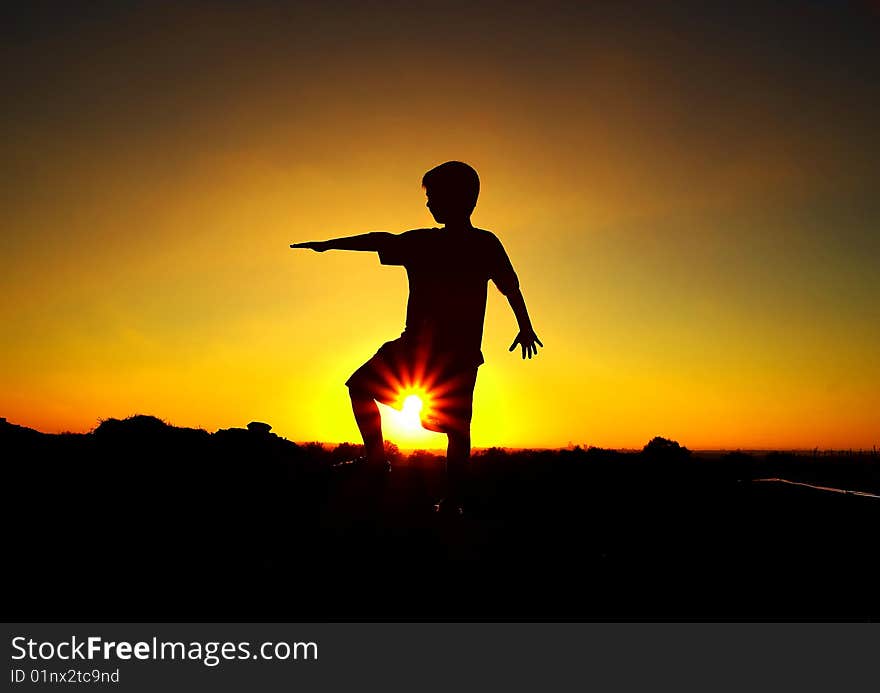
(142,521)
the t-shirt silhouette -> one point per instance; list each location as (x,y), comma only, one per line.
(448,273)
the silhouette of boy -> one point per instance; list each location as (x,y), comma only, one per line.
(439,350)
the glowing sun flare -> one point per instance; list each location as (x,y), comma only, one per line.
(412,406)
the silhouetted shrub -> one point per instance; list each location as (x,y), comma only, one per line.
(665,448)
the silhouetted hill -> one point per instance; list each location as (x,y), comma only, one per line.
(142,520)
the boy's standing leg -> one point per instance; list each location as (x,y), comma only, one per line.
(458,451)
(456,416)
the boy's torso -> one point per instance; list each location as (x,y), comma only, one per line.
(448,274)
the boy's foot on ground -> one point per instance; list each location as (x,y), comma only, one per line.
(449,507)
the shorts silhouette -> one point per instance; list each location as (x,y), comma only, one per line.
(406,363)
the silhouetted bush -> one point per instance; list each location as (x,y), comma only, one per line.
(664,448)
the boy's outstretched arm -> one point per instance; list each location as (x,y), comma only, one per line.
(527,339)
(366,241)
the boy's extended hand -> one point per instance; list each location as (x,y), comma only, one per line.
(317,246)
(527,339)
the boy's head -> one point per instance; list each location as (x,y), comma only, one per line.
(452,190)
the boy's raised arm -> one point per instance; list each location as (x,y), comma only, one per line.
(372,241)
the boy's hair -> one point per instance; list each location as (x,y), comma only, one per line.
(454,181)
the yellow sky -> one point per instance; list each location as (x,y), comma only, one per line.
(697,248)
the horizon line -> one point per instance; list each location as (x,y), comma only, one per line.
(570,446)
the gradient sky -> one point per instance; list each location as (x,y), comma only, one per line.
(690,198)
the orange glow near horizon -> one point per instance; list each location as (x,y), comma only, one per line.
(699,263)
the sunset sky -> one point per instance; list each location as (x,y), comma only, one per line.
(690,198)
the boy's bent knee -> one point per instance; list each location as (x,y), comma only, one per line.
(359,392)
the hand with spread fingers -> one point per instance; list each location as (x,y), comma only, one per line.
(528,341)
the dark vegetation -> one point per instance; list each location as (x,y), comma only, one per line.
(139,520)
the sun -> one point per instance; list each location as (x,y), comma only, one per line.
(412,406)
(403,421)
